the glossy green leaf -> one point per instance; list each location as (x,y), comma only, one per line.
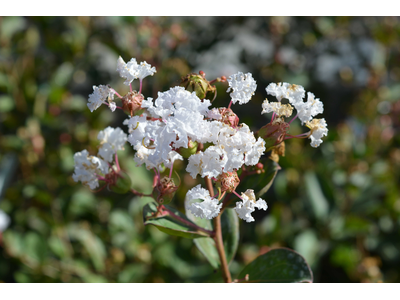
(230,236)
(278,265)
(171,225)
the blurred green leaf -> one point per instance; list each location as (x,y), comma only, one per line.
(278,265)
(35,247)
(92,243)
(230,236)
(171,225)
(318,201)
(271,168)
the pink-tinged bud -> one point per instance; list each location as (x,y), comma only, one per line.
(202,74)
(229,117)
(190,150)
(119,182)
(259,166)
(223,78)
(229,181)
(165,190)
(132,102)
(273,133)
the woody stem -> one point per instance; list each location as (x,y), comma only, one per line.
(218,238)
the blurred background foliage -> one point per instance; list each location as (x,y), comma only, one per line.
(338,205)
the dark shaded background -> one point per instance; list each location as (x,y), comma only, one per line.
(338,205)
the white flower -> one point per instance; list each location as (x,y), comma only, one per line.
(248,205)
(127,70)
(307,110)
(318,130)
(294,93)
(252,157)
(277,107)
(99,96)
(243,87)
(4,221)
(111,140)
(112,106)
(208,209)
(144,70)
(132,70)
(88,168)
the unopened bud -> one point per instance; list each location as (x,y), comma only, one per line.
(273,133)
(119,182)
(223,79)
(190,150)
(197,83)
(229,181)
(132,102)
(165,190)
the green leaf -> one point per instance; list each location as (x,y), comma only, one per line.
(169,224)
(318,201)
(230,236)
(92,243)
(271,168)
(278,265)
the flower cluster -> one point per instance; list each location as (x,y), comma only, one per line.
(90,169)
(182,125)
(306,110)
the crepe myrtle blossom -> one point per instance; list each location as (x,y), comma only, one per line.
(242,86)
(89,169)
(111,140)
(102,94)
(306,111)
(209,208)
(248,205)
(318,130)
(132,70)
(4,221)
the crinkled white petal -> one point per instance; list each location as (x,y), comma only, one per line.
(243,87)
(307,110)
(100,94)
(128,70)
(111,140)
(87,168)
(245,207)
(144,70)
(208,209)
(294,93)
(318,130)
(252,157)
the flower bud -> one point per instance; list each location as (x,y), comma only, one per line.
(132,102)
(228,181)
(197,83)
(165,190)
(119,182)
(273,133)
(190,150)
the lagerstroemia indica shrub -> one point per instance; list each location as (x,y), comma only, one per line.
(181,124)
